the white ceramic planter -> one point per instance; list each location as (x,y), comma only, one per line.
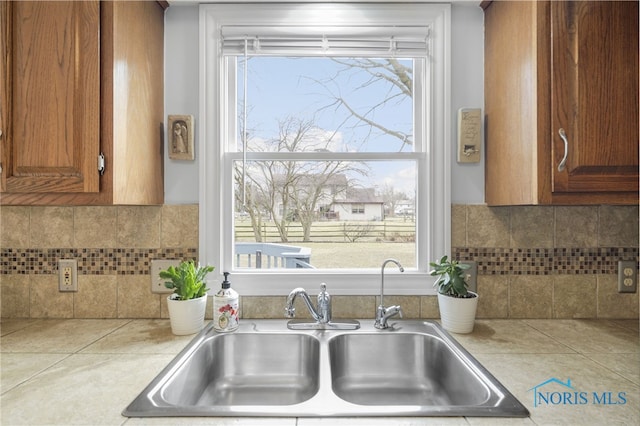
(187,316)
(458,315)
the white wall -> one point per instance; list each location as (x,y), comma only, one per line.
(182,95)
(467,90)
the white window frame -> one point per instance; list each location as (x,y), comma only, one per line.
(216,186)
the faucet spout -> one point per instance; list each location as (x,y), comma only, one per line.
(382,313)
(321,315)
(382,276)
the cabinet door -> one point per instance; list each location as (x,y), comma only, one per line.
(50,96)
(595,95)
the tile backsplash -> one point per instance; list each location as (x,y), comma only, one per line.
(548,262)
(533,262)
(113,245)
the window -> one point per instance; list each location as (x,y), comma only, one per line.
(318,135)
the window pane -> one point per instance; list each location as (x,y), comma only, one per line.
(307,104)
(324,214)
(401,117)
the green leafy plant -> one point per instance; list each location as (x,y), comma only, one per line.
(451,277)
(187,280)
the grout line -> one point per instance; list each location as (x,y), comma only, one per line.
(550,336)
(614,322)
(36,321)
(104,335)
(36,374)
(605,366)
(577,320)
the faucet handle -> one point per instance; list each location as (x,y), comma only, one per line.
(324,304)
(324,297)
(394,310)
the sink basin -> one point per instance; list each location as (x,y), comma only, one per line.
(413,368)
(401,369)
(247,369)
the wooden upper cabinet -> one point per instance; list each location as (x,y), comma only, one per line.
(594,95)
(81,79)
(561,65)
(52,97)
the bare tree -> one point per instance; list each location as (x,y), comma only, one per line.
(388,72)
(291,190)
(390,197)
(353,232)
(296,190)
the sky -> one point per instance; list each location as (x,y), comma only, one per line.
(305,88)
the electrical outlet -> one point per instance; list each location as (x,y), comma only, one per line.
(627,276)
(471,275)
(67,275)
(157,283)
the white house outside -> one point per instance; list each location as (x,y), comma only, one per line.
(337,200)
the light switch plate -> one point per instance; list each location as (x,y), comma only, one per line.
(157,283)
(471,275)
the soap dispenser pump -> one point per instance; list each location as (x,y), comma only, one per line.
(225,307)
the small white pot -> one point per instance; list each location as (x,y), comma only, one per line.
(458,314)
(187,316)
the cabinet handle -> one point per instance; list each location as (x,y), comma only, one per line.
(563,135)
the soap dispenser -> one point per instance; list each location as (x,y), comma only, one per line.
(225,307)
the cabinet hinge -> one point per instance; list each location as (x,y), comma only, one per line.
(101,164)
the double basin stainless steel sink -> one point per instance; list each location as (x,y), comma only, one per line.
(413,368)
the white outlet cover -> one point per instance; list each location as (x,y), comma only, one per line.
(71,283)
(157,283)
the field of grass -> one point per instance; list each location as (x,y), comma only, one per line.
(339,244)
(359,254)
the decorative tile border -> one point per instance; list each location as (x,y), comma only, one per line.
(491,261)
(546,261)
(92,261)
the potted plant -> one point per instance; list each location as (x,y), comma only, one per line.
(188,302)
(457,304)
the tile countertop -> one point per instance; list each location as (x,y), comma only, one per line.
(63,372)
